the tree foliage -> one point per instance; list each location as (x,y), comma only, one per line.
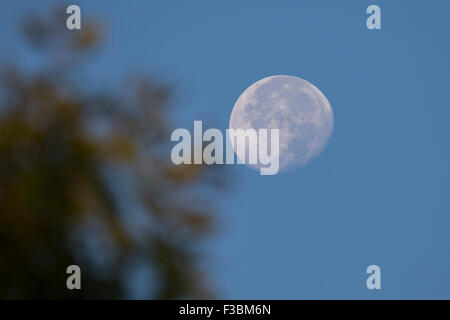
(86,179)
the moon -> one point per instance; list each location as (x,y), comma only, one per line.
(296,107)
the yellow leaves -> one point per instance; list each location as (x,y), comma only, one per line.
(198,222)
(184,173)
(117,147)
(89,36)
(59,151)
(49,32)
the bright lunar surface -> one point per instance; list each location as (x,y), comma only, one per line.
(297,108)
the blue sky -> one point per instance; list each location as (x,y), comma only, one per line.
(378,194)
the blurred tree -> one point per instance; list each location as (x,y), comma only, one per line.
(86,179)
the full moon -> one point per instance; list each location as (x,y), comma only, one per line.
(296,107)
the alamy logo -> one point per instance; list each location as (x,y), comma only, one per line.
(374,280)
(74,280)
(374,20)
(74,20)
(253,147)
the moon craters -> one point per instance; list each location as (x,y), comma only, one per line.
(296,107)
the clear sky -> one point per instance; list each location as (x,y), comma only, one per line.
(378,194)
